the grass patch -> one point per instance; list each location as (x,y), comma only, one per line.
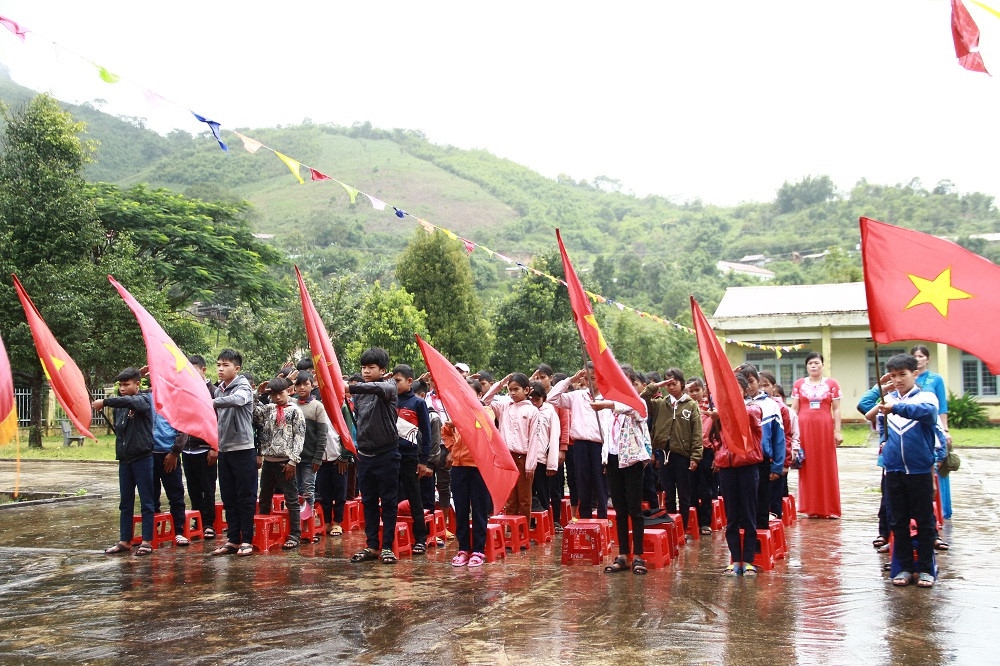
(963,438)
(52,449)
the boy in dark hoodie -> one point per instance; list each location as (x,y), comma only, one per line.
(414,456)
(378,453)
(133,426)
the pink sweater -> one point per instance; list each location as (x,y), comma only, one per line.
(518,426)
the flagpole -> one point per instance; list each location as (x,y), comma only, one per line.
(590,382)
(881,394)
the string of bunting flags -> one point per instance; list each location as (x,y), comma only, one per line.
(964,30)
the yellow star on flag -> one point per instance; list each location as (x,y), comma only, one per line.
(58,362)
(180,360)
(938,292)
(592,320)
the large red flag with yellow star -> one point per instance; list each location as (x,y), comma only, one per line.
(611,381)
(924,288)
(178,388)
(473,424)
(326,365)
(62,372)
(8,405)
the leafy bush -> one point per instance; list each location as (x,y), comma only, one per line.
(966,412)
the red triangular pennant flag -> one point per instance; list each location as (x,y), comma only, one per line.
(611,381)
(966,35)
(178,388)
(317,175)
(62,372)
(326,366)
(8,405)
(474,425)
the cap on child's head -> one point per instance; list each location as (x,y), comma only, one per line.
(462,367)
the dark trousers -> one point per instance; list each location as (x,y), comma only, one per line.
(472,502)
(911,496)
(763,492)
(409,489)
(649,493)
(739,492)
(540,487)
(238,488)
(779,491)
(589,479)
(173,484)
(703,485)
(626,497)
(884,512)
(556,484)
(272,476)
(675,476)
(378,480)
(574,496)
(427,486)
(134,475)
(442,479)
(331,491)
(200,478)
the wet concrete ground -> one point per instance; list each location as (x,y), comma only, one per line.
(62,600)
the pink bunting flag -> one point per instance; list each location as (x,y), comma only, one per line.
(377,204)
(250,145)
(13,27)
(427,226)
(966,35)
(317,175)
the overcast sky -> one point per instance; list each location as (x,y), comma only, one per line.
(722,101)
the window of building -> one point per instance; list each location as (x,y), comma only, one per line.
(788,368)
(976,377)
(883,355)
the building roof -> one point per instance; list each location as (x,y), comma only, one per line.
(792,300)
(745,269)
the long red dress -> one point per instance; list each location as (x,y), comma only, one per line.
(819,482)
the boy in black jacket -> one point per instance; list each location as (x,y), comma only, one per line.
(133,426)
(413,455)
(378,453)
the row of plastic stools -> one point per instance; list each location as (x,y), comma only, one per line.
(163,528)
(771,545)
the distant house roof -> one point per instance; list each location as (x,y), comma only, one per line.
(744,269)
(792,300)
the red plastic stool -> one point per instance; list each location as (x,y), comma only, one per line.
(645,506)
(450,521)
(602,523)
(718,516)
(495,550)
(795,511)
(267,531)
(402,544)
(613,526)
(163,529)
(765,558)
(193,528)
(671,533)
(319,518)
(278,503)
(722,511)
(309,528)
(354,517)
(583,543)
(565,512)
(678,528)
(516,535)
(787,512)
(777,529)
(220,525)
(541,529)
(693,524)
(655,548)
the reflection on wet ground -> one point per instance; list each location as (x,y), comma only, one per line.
(61,599)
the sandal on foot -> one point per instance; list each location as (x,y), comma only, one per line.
(883,548)
(878,541)
(706,530)
(620,564)
(925,580)
(365,555)
(387,556)
(226,549)
(733,570)
(419,548)
(245,550)
(181,540)
(902,579)
(209,533)
(639,566)
(291,543)
(336,530)
(941,545)
(461,559)
(120,547)
(316,538)
(142,550)
(750,570)
(477,560)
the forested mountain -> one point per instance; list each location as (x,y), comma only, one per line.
(648,252)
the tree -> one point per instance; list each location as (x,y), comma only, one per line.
(534,323)
(808,192)
(435,270)
(388,319)
(50,237)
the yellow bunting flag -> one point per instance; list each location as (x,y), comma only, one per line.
(107,76)
(292,165)
(351,192)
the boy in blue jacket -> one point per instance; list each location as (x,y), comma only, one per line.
(908,417)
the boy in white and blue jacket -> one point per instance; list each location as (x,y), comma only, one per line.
(772,443)
(908,417)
